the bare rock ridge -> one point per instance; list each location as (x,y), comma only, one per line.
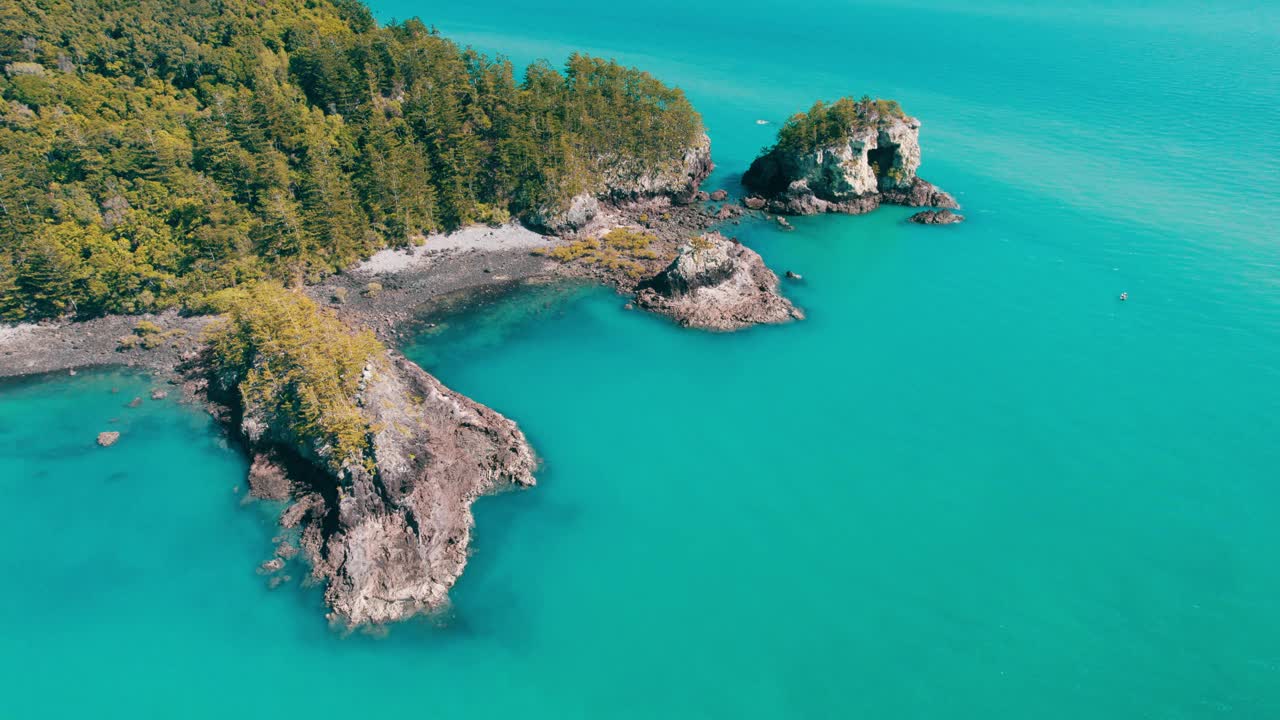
(716,283)
(389,535)
(871,159)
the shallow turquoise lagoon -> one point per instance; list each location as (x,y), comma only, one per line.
(971,485)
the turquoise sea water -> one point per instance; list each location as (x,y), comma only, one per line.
(971,485)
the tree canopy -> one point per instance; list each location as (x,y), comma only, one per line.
(827,124)
(297,364)
(155,151)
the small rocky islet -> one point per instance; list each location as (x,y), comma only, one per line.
(850,156)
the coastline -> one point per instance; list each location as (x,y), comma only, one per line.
(448,267)
(433,447)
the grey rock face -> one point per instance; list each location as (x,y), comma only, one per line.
(717,284)
(878,163)
(936,217)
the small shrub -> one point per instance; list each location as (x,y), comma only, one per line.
(372,290)
(146,327)
(619,250)
(700,243)
(128,342)
(338,296)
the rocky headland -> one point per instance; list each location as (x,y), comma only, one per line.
(386,526)
(847,157)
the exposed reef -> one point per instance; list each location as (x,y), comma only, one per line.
(936,217)
(716,283)
(848,157)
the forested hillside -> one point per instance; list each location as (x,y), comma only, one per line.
(153,152)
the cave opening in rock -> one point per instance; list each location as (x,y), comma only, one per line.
(881,159)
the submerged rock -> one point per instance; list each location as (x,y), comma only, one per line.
(267,478)
(872,160)
(936,217)
(717,284)
(109,438)
(794,276)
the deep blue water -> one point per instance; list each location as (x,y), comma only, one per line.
(971,485)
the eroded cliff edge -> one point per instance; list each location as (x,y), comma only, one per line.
(378,461)
(849,157)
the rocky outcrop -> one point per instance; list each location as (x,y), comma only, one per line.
(109,438)
(631,179)
(389,534)
(716,283)
(874,161)
(936,217)
(268,479)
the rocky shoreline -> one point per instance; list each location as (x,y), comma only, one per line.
(68,346)
(389,540)
(387,530)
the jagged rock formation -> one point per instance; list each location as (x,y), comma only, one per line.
(389,536)
(936,217)
(716,283)
(871,159)
(630,179)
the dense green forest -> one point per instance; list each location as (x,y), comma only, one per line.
(827,124)
(153,152)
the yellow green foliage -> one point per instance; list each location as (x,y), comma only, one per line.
(828,124)
(620,249)
(700,243)
(299,364)
(155,151)
(148,336)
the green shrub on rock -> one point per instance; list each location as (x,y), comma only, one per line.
(296,365)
